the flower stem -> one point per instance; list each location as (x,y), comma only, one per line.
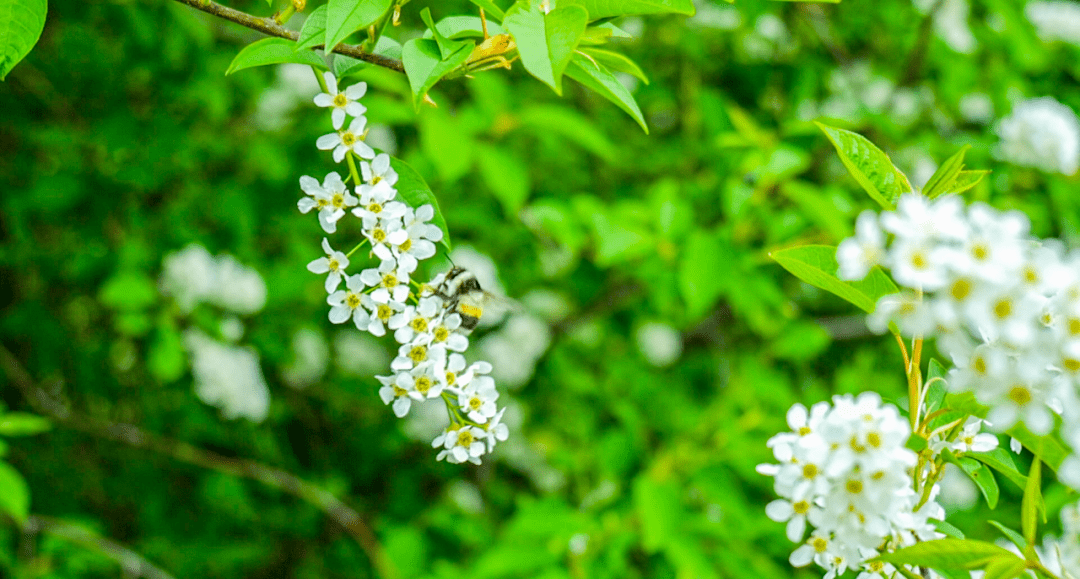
(352,167)
(358,246)
(322,81)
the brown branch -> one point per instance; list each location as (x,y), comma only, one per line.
(134,564)
(269,26)
(136,437)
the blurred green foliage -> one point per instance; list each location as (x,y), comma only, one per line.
(122,141)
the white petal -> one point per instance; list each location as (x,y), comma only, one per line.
(327,142)
(337,116)
(363,150)
(324,100)
(338,314)
(795,528)
(339,153)
(331,82)
(306,204)
(321,265)
(356,91)
(401,406)
(779,510)
(332,281)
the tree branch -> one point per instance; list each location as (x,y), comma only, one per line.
(134,564)
(269,26)
(136,437)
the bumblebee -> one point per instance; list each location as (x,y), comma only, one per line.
(462,293)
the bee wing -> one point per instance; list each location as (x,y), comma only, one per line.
(502,304)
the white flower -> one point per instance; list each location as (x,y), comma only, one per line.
(385,235)
(391,283)
(477,399)
(351,139)
(496,430)
(189,276)
(446,333)
(858,255)
(416,354)
(659,343)
(341,102)
(376,316)
(1041,133)
(331,198)
(971,440)
(391,392)
(228,377)
(794,514)
(1055,20)
(378,171)
(415,320)
(237,288)
(460,444)
(376,204)
(347,304)
(418,243)
(334,263)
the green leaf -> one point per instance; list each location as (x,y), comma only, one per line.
(1005,568)
(598,9)
(21,23)
(506,175)
(343,17)
(816,265)
(948,529)
(273,51)
(1016,538)
(1048,448)
(14,495)
(313,32)
(916,442)
(455,27)
(128,291)
(424,65)
(947,553)
(1001,460)
(966,180)
(1030,504)
(492,9)
(658,506)
(166,359)
(546,42)
(982,477)
(597,78)
(946,174)
(935,393)
(22,424)
(617,62)
(447,47)
(346,65)
(870,167)
(571,125)
(705,271)
(412,189)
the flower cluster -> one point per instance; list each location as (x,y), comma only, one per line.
(845,471)
(1005,307)
(1041,133)
(226,375)
(430,364)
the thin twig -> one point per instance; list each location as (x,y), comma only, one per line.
(136,437)
(134,564)
(269,26)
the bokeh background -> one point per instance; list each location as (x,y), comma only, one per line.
(660,349)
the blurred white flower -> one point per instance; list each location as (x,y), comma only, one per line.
(228,377)
(358,354)
(1055,20)
(192,276)
(310,358)
(1041,133)
(659,343)
(951,23)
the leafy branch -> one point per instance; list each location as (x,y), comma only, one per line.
(136,437)
(272,28)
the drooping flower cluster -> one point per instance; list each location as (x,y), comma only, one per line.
(1041,133)
(1005,307)
(226,375)
(844,470)
(385,299)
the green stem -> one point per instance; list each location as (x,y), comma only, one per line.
(352,167)
(285,14)
(907,573)
(358,246)
(322,81)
